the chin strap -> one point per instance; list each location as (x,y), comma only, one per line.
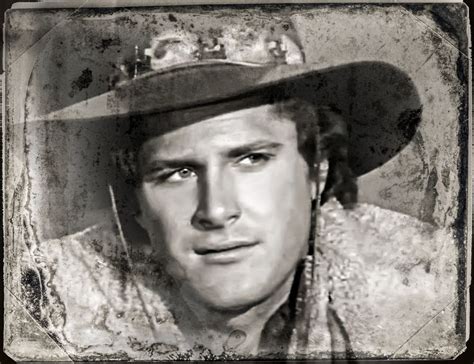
(317,327)
(123,241)
(310,298)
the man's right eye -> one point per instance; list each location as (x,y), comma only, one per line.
(169,175)
(179,175)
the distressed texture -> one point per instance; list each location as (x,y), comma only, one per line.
(95,311)
(55,58)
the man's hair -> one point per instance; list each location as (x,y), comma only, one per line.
(321,131)
(323,128)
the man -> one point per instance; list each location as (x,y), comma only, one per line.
(218,246)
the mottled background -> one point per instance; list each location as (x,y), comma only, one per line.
(58,57)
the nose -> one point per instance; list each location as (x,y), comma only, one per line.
(217,206)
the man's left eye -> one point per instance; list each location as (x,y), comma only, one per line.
(254,159)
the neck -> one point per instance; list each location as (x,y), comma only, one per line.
(236,331)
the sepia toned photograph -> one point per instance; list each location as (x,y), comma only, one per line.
(236,181)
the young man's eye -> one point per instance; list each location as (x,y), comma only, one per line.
(180,175)
(254,159)
(173,176)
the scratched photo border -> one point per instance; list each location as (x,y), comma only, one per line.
(464,139)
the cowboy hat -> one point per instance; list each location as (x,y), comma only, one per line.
(182,70)
(379,101)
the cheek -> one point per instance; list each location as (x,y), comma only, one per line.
(285,186)
(166,214)
(166,217)
(280,202)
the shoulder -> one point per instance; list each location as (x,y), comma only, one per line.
(76,261)
(93,303)
(95,239)
(74,270)
(394,280)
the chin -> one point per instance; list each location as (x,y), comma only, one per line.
(234,296)
(231,302)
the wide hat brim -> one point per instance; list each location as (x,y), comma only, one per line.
(379,101)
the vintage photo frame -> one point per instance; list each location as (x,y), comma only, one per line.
(399,265)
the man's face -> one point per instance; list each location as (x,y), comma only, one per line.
(227,203)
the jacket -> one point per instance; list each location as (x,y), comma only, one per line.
(386,288)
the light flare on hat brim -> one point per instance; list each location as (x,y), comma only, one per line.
(379,101)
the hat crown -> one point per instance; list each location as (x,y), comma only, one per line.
(237,44)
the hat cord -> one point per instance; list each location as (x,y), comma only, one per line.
(129,261)
(307,313)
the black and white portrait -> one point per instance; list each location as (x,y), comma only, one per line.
(236,181)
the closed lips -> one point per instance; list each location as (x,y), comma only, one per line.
(218,248)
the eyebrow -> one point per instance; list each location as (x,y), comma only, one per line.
(248,148)
(158,163)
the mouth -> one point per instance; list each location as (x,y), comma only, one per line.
(226,252)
